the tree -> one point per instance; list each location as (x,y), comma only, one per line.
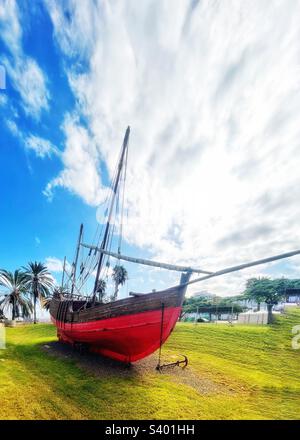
(45,302)
(15,297)
(280,285)
(58,292)
(101,288)
(264,290)
(253,291)
(211,304)
(119,275)
(39,283)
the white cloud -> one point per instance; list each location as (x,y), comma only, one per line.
(40,146)
(81,162)
(56,265)
(211,91)
(12,126)
(23,71)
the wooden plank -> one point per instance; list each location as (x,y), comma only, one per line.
(137,304)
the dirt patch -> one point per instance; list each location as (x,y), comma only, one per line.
(200,384)
(100,365)
(105,367)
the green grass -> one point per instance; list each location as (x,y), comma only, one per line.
(251,371)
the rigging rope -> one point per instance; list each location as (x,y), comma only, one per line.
(123,202)
(91,261)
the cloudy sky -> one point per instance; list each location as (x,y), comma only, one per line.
(211,90)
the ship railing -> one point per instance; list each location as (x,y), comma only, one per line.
(78,297)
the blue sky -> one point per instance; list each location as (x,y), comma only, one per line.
(32,227)
(211,93)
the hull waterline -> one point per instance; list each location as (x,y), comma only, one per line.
(126,338)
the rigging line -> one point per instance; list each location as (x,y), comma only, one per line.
(81,266)
(123,201)
(88,266)
(91,259)
(90,262)
(86,263)
(76,257)
(63,274)
(69,279)
(104,241)
(108,199)
(91,268)
(105,268)
(110,238)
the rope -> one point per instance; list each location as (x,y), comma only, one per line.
(122,203)
(90,262)
(161,334)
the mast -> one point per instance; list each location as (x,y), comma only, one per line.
(115,188)
(63,274)
(76,258)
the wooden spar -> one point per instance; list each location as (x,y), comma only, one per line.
(63,274)
(147,262)
(105,236)
(244,266)
(76,258)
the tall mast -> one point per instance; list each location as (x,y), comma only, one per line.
(115,188)
(76,258)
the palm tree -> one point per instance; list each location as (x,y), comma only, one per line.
(57,293)
(101,287)
(15,298)
(45,302)
(39,282)
(119,275)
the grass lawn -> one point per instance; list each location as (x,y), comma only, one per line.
(240,372)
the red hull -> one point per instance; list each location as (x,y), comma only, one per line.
(125,338)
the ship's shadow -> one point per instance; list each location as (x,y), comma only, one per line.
(100,365)
(104,368)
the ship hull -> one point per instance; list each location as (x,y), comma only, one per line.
(126,330)
(126,338)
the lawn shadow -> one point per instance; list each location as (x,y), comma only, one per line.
(100,365)
(103,367)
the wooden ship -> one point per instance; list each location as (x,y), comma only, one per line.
(131,328)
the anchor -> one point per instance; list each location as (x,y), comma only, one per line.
(178,363)
(160,366)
